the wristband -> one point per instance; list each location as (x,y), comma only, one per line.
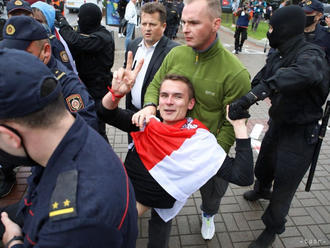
(113,95)
(20,238)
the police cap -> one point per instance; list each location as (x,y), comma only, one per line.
(313,5)
(18,5)
(21,83)
(20,31)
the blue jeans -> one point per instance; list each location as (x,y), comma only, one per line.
(129,33)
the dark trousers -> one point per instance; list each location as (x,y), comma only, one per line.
(211,193)
(159,231)
(240,32)
(285,155)
(255,22)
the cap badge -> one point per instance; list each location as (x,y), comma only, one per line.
(18,3)
(10,29)
(309,3)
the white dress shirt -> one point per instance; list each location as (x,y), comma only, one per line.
(145,53)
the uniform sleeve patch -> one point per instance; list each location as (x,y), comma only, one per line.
(63,200)
(64,56)
(75,102)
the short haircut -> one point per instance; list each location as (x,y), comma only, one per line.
(214,7)
(47,116)
(183,79)
(155,7)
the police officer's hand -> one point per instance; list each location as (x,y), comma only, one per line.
(11,230)
(238,109)
(239,126)
(58,15)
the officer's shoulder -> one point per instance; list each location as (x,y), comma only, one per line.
(51,36)
(58,73)
(63,200)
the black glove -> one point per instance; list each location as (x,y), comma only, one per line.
(239,108)
(261,91)
(58,15)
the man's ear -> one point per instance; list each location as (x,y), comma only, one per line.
(47,50)
(164,26)
(10,139)
(216,24)
(191,103)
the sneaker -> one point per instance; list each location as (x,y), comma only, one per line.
(119,35)
(236,51)
(265,239)
(208,227)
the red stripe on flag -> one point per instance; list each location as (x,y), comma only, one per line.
(159,140)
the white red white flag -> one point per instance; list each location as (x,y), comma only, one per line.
(180,157)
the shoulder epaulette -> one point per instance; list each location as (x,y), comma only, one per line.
(63,199)
(58,74)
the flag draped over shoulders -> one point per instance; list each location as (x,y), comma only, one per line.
(180,157)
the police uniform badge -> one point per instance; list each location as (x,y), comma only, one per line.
(18,3)
(10,29)
(63,200)
(64,57)
(309,3)
(75,103)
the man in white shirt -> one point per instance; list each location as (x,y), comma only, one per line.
(152,47)
(131,17)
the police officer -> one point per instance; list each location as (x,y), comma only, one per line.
(296,79)
(172,19)
(45,14)
(25,33)
(2,24)
(314,32)
(18,7)
(69,203)
(14,8)
(93,48)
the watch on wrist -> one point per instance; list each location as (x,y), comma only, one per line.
(20,238)
(149,104)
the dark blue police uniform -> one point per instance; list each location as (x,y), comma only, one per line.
(320,37)
(20,31)
(75,93)
(58,51)
(62,209)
